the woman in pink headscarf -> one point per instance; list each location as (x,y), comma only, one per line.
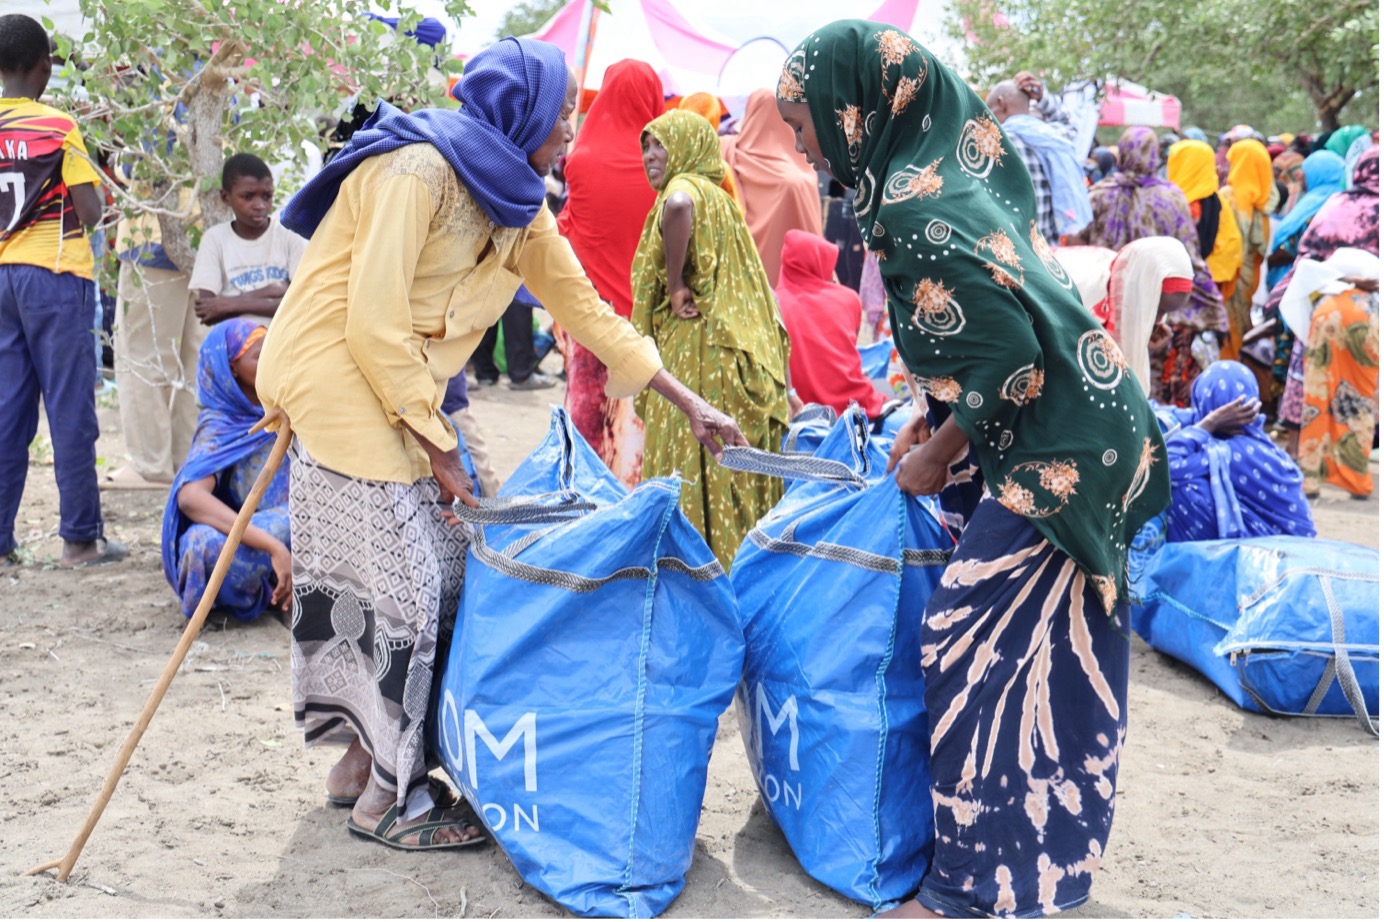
(777,187)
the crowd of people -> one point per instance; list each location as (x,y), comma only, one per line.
(1094,338)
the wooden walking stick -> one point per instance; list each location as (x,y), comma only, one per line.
(194,625)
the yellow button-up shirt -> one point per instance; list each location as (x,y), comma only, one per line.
(397,286)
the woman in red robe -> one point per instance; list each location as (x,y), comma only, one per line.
(608,198)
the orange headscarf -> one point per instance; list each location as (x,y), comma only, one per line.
(255,336)
(709,108)
(1251,175)
(705,105)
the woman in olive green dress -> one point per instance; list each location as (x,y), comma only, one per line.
(701,292)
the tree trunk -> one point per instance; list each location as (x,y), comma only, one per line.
(207,101)
(1328,101)
(177,242)
(1329,111)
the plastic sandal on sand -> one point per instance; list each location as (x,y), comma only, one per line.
(388,830)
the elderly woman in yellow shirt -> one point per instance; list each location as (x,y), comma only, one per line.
(421,231)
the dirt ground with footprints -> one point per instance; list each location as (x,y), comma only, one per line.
(222,813)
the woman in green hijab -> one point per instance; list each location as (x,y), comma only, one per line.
(701,292)
(1341,139)
(1025,650)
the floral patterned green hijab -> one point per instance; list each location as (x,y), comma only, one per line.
(983,313)
(691,144)
(723,269)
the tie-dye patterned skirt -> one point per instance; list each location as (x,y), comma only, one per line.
(1026,680)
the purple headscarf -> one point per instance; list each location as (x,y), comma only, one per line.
(1135,202)
(1348,219)
(512,93)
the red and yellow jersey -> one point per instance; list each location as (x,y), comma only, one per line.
(41,157)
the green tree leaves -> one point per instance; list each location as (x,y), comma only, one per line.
(526,17)
(1280,65)
(170,88)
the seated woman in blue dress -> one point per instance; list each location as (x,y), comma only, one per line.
(220,470)
(1229,478)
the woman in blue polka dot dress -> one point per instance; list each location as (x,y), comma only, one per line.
(1229,478)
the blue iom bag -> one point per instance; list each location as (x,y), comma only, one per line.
(1282,625)
(807,430)
(596,645)
(874,361)
(832,584)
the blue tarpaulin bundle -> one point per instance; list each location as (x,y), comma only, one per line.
(1282,625)
(596,645)
(832,585)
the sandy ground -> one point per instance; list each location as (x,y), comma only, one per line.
(1221,813)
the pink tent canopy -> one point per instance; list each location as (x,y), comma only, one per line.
(693,49)
(1130,104)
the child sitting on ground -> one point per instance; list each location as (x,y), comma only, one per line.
(244,266)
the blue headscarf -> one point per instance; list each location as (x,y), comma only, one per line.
(1071,204)
(511,96)
(223,427)
(1192,133)
(1242,486)
(1323,174)
(1104,165)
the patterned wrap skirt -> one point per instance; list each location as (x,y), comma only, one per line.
(1026,678)
(377,576)
(1340,394)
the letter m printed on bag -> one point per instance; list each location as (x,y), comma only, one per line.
(526,727)
(764,713)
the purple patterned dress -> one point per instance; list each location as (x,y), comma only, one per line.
(1134,203)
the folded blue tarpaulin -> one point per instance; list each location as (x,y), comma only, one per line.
(1282,625)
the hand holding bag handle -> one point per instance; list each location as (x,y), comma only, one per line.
(562,505)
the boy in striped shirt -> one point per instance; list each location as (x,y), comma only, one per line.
(48,199)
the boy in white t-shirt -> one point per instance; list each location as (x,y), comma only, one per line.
(244,266)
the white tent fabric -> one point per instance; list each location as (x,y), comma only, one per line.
(66,15)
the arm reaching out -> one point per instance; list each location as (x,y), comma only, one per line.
(552,273)
(711,427)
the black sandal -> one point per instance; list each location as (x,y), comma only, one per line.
(388,831)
